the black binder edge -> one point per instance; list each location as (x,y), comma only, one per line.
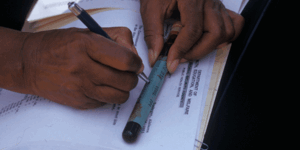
(253,18)
(253,14)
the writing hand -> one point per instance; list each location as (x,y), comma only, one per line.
(79,68)
(206,25)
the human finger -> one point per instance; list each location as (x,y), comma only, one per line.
(112,54)
(218,28)
(80,102)
(238,23)
(123,36)
(92,105)
(192,27)
(153,17)
(105,75)
(107,94)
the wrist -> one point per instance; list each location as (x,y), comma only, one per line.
(30,60)
(11,60)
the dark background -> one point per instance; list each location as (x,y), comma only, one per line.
(13,13)
(245,115)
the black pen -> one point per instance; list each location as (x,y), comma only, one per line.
(93,26)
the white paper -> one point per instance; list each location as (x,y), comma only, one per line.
(49,8)
(233,5)
(34,123)
(243,5)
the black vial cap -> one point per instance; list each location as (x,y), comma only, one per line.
(131,131)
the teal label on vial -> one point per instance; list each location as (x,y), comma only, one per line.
(149,93)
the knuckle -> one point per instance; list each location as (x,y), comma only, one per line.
(79,36)
(71,88)
(240,20)
(218,31)
(148,35)
(230,32)
(151,33)
(74,68)
(151,37)
(72,29)
(78,43)
(195,31)
(125,31)
(219,34)
(76,32)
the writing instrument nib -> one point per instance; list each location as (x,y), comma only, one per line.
(144,77)
(70,4)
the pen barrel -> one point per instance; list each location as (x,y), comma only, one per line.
(92,24)
(146,100)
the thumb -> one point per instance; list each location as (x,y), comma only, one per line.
(153,27)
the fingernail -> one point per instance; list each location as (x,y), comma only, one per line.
(183,60)
(172,66)
(141,70)
(155,57)
(151,57)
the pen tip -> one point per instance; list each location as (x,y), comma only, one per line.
(144,77)
(70,4)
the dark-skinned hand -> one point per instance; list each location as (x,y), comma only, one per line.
(78,68)
(206,25)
